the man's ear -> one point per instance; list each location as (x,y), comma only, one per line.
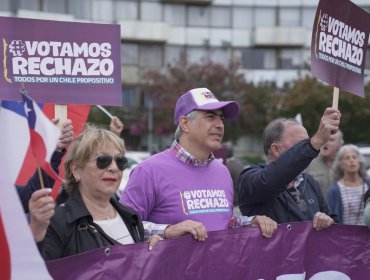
(275,150)
(184,124)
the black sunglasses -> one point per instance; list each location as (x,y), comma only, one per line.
(296,194)
(104,161)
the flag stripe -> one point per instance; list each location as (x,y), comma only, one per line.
(39,151)
(4,253)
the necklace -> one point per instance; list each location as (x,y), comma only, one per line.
(98,215)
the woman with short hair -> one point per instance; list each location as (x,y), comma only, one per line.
(91,218)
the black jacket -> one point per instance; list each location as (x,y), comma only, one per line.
(72,230)
(263,188)
(33,184)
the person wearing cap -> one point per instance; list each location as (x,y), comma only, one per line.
(280,188)
(184,189)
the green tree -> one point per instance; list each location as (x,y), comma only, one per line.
(310,97)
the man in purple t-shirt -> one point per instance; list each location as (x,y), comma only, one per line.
(184,189)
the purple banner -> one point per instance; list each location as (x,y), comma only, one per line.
(296,251)
(339,42)
(60,62)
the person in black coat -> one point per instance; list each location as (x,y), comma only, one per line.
(90,218)
(280,188)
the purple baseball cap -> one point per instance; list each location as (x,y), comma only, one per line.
(204,99)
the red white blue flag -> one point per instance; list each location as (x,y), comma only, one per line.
(20,258)
(44,135)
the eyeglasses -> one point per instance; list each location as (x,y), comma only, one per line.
(296,194)
(103,161)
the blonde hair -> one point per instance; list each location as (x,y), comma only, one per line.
(83,147)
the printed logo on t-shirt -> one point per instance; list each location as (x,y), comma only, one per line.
(204,201)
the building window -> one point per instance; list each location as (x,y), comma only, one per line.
(129,96)
(102,10)
(80,9)
(33,5)
(55,6)
(291,58)
(198,16)
(262,58)
(306,63)
(308,16)
(173,54)
(5,5)
(126,10)
(289,16)
(175,15)
(151,11)
(151,56)
(220,56)
(220,17)
(264,16)
(242,17)
(197,54)
(129,54)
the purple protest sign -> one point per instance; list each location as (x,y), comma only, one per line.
(339,42)
(61,62)
(295,252)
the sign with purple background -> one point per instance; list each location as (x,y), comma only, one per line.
(60,62)
(339,42)
(295,252)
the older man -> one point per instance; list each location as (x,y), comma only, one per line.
(184,186)
(280,188)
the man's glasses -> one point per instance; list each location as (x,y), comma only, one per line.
(296,194)
(103,161)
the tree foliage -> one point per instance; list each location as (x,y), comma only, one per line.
(310,97)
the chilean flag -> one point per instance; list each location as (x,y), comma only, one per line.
(20,258)
(78,114)
(44,135)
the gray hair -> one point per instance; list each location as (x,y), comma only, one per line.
(338,172)
(83,147)
(273,132)
(190,116)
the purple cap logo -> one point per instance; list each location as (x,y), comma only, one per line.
(203,99)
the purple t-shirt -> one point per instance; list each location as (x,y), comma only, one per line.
(165,190)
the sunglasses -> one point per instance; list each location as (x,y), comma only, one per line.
(296,194)
(103,161)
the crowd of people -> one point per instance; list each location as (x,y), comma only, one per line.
(185,190)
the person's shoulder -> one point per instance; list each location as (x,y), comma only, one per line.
(124,208)
(253,168)
(367,181)
(316,164)
(333,189)
(312,180)
(161,156)
(256,166)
